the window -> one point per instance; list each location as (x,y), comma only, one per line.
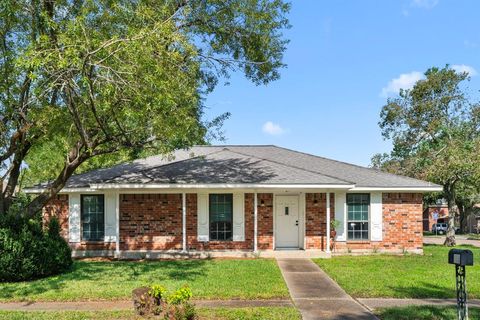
(357,206)
(93,213)
(221,208)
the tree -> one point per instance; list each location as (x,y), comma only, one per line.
(84,79)
(435,132)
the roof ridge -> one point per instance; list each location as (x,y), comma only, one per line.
(291,166)
(351,164)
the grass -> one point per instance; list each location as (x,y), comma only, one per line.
(208,279)
(407,276)
(424,313)
(271,313)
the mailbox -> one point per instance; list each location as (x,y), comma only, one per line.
(460,257)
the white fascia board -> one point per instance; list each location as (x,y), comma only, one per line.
(104,186)
(220,186)
(398,189)
(63,191)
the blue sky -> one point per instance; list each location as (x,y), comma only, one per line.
(344,59)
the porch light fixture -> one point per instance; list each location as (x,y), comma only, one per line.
(262,203)
(315,201)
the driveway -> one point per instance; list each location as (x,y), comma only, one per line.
(440,239)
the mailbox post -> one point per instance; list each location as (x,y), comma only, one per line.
(461,258)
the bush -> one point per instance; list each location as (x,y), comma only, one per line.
(153,300)
(28,251)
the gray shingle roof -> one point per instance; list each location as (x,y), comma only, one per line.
(242,165)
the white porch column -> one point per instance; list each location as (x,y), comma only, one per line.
(255,222)
(328,222)
(117,217)
(184,222)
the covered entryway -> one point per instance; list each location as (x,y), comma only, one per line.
(287,222)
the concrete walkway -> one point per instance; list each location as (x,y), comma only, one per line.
(127,305)
(375,303)
(316,295)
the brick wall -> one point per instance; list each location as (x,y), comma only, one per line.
(402,225)
(315,219)
(428,220)
(402,220)
(154,222)
(265,221)
(150,221)
(58,207)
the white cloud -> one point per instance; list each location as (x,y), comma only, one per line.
(404,81)
(426,4)
(272,128)
(464,68)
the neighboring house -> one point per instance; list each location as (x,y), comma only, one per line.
(238,199)
(439,211)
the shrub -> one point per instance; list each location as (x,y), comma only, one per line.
(28,251)
(154,300)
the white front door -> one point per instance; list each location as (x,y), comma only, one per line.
(286,221)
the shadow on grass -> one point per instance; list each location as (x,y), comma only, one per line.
(424,313)
(143,272)
(424,290)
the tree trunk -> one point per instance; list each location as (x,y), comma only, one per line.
(452,211)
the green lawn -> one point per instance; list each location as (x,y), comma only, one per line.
(424,313)
(409,276)
(272,313)
(208,279)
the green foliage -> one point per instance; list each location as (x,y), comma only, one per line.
(435,132)
(27,251)
(121,79)
(334,224)
(180,296)
(157,291)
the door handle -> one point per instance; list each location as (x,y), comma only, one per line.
(296,223)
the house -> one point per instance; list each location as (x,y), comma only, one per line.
(435,213)
(238,200)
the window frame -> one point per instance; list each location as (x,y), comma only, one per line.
(368,221)
(210,232)
(82,237)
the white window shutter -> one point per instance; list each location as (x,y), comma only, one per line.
(376,216)
(110,217)
(74,217)
(202,217)
(340,215)
(238,217)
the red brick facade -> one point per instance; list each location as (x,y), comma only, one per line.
(58,207)
(402,225)
(150,221)
(154,222)
(315,219)
(428,220)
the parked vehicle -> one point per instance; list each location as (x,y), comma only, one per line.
(440,228)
